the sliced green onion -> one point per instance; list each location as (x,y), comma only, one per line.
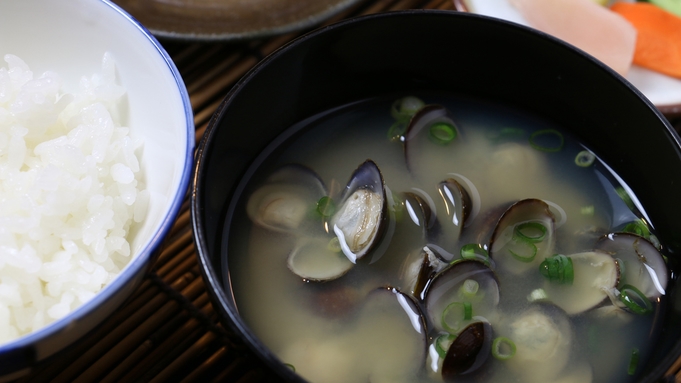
(397,130)
(403,108)
(558,269)
(289,365)
(524,258)
(442,133)
(467,311)
(625,197)
(554,147)
(537,295)
(530,231)
(635,300)
(503,348)
(637,227)
(469,288)
(587,210)
(584,158)
(476,252)
(326,207)
(455,314)
(442,344)
(527,255)
(512,132)
(506,134)
(334,245)
(633,361)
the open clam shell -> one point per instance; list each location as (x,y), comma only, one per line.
(595,273)
(524,237)
(543,337)
(421,267)
(462,291)
(361,218)
(643,265)
(457,209)
(314,259)
(286,199)
(441,218)
(430,132)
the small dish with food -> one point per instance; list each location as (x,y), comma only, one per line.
(635,38)
(96,143)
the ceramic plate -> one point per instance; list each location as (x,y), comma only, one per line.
(663,91)
(229,19)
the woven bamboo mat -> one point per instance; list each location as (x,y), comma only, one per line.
(168,331)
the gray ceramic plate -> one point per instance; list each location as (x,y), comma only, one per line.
(230,19)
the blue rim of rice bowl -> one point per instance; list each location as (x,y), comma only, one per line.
(20,353)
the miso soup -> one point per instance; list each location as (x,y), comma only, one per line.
(430,238)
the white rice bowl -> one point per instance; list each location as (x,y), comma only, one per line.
(129,173)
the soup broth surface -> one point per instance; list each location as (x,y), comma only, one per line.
(364,326)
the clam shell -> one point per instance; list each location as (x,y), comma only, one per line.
(313,260)
(457,209)
(503,243)
(419,149)
(468,352)
(595,272)
(421,267)
(447,288)
(644,267)
(543,337)
(420,211)
(285,199)
(361,219)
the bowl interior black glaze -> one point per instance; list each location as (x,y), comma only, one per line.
(439,51)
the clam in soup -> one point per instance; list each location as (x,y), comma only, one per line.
(438,238)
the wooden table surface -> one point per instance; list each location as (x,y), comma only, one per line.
(167,331)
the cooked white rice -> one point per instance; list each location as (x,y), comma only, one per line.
(70,189)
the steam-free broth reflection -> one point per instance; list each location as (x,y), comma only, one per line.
(441,238)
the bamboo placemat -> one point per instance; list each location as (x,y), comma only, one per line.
(168,331)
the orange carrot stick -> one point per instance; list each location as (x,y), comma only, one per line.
(658,45)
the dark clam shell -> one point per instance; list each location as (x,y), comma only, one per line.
(457,200)
(424,117)
(441,219)
(458,208)
(421,213)
(361,219)
(644,266)
(462,282)
(468,352)
(419,146)
(517,256)
(420,269)
(422,120)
